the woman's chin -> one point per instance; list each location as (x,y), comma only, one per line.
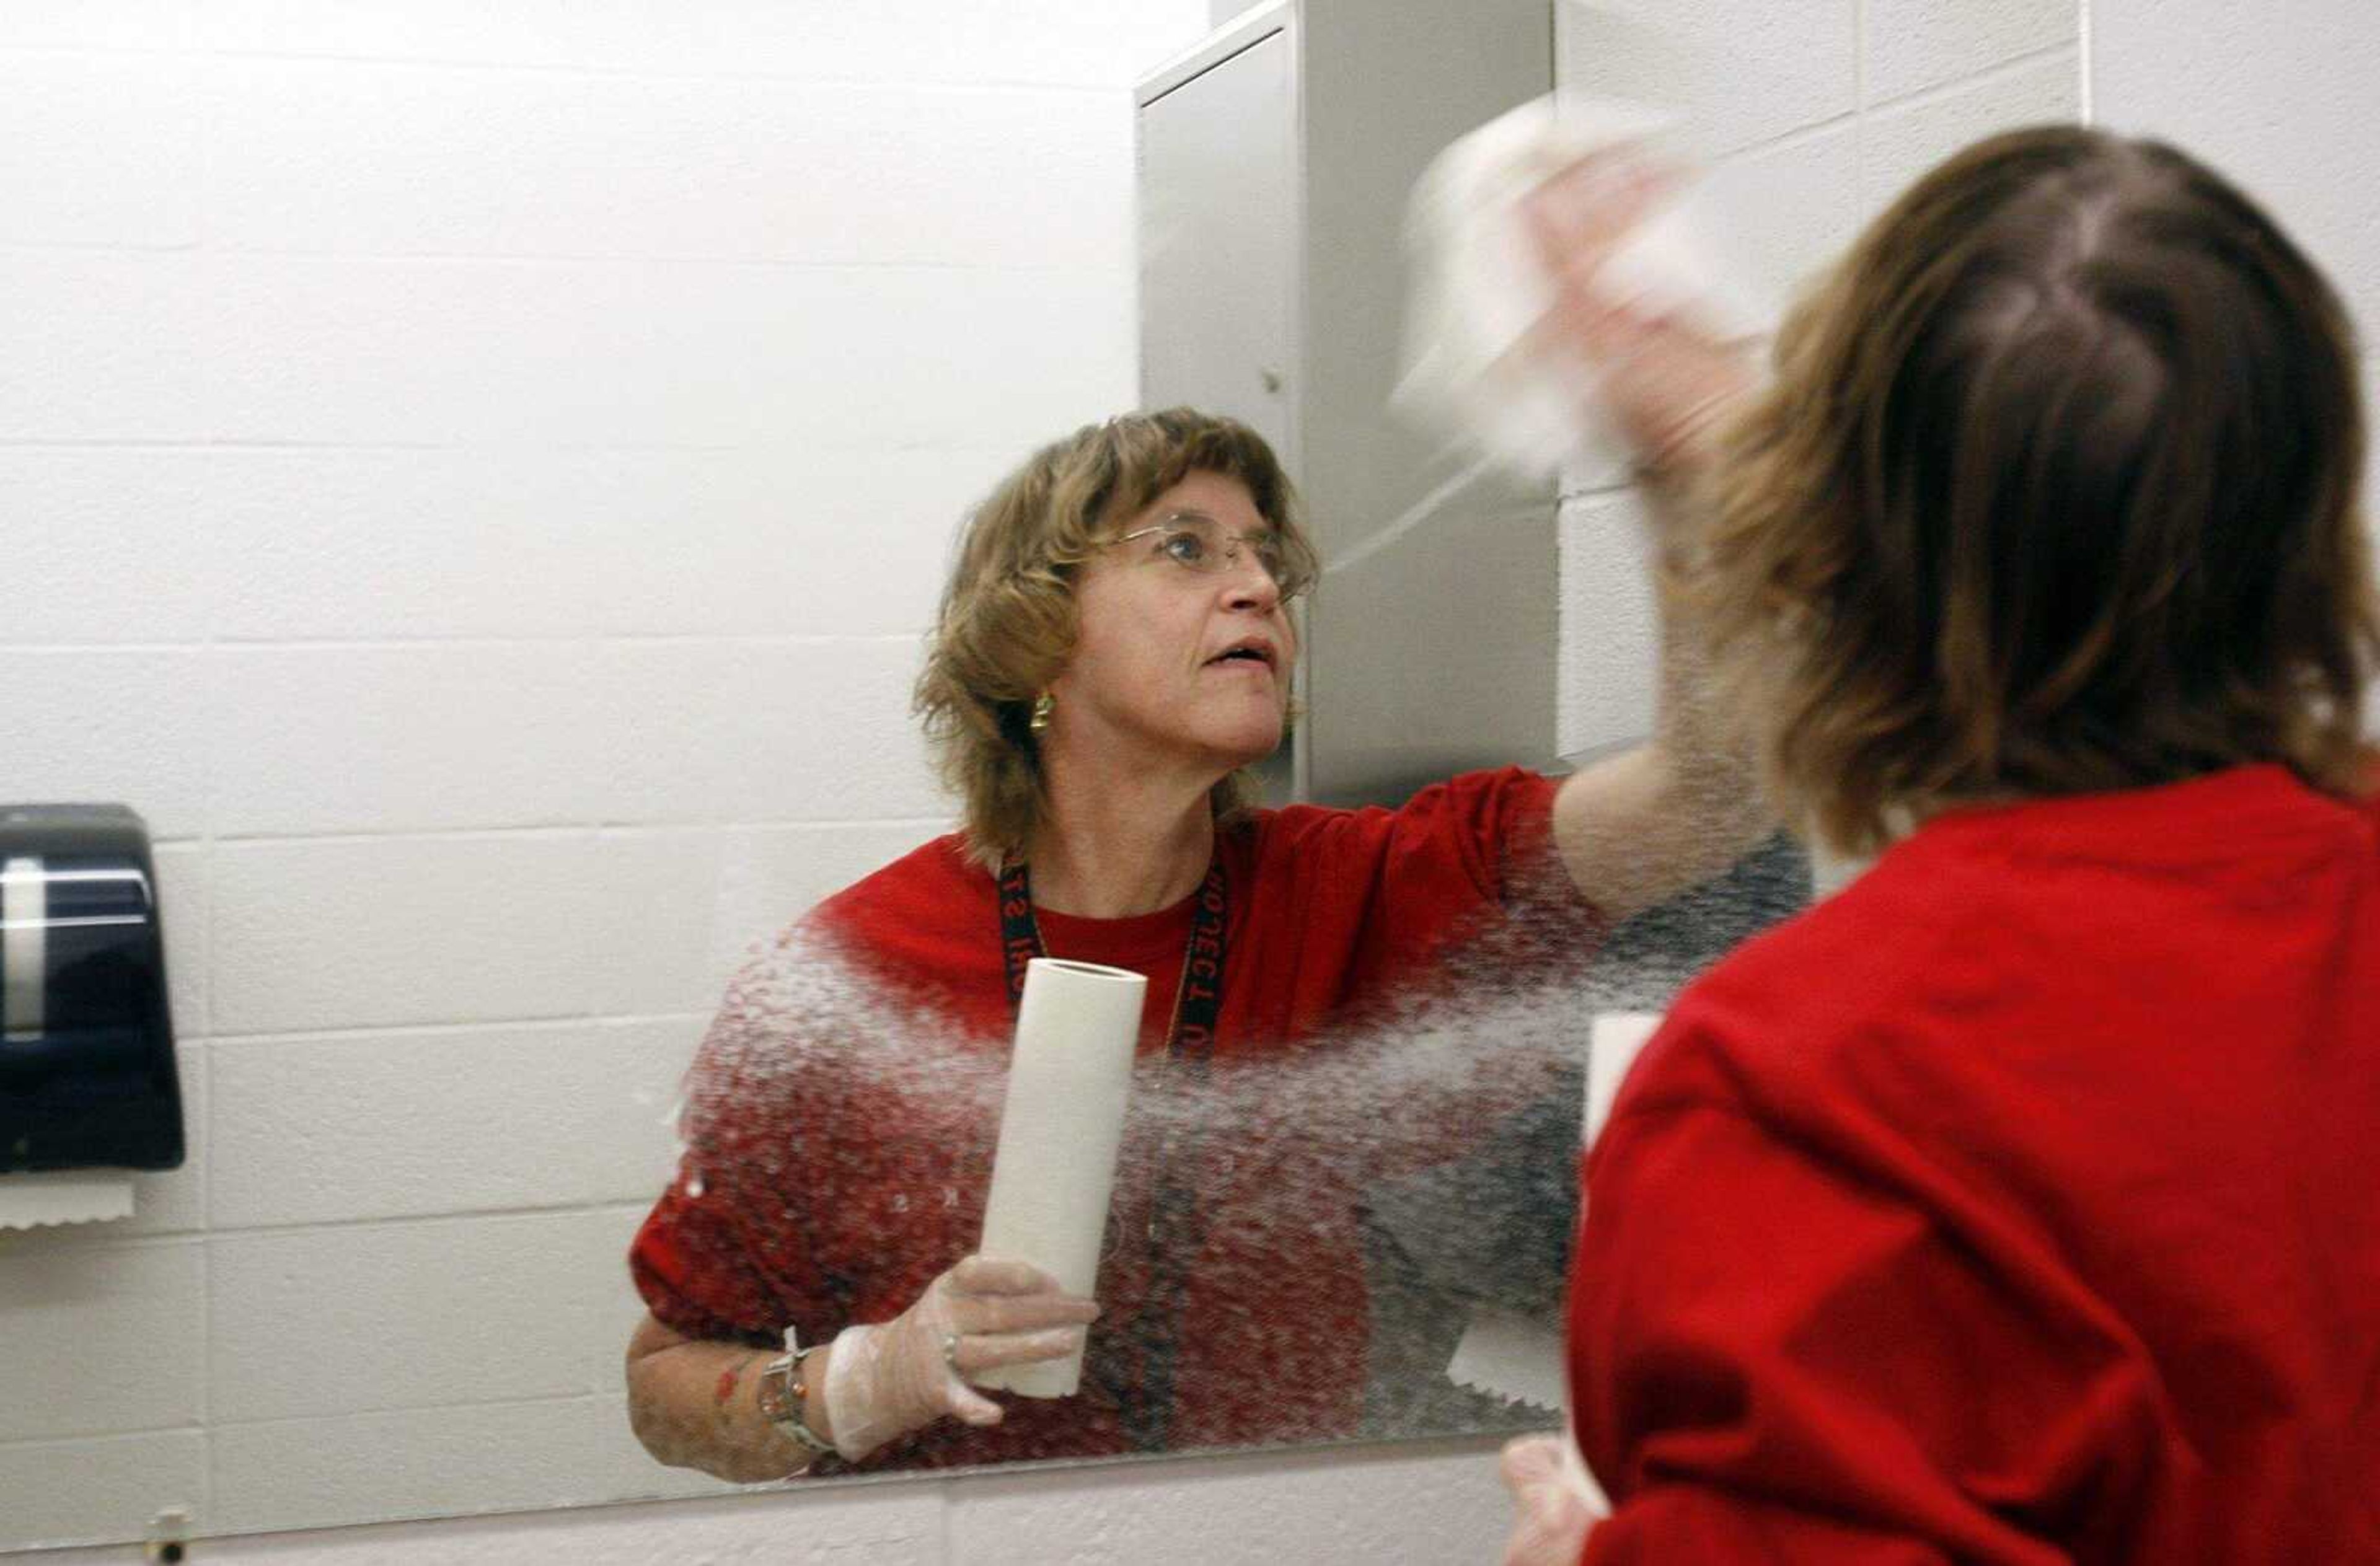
(1229,740)
(1253,746)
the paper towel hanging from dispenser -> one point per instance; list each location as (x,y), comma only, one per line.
(87,1073)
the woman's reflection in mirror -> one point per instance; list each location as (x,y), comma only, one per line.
(1113,651)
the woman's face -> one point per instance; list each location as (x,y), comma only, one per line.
(1173,666)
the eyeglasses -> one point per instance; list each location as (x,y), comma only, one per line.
(1196,541)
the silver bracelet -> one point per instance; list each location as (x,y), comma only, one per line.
(784,1390)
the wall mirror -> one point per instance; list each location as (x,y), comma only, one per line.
(474,478)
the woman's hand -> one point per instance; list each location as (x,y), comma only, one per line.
(1664,381)
(1551,1518)
(886,1380)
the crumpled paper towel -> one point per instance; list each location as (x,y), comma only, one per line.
(34,1201)
(1479,288)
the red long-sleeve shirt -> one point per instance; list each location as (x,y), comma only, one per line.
(844,1108)
(2020,1204)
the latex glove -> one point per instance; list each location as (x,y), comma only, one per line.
(1662,378)
(1551,1517)
(885,1380)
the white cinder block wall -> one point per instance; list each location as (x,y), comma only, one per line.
(1812,114)
(472,474)
(1818,111)
(2281,102)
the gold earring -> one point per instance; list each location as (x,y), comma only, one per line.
(1042,707)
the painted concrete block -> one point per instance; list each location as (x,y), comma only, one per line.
(1030,41)
(789,538)
(104,546)
(672,354)
(655,940)
(834,1524)
(1442,1501)
(415,1462)
(98,149)
(377,932)
(1610,632)
(769,730)
(1903,141)
(186,897)
(1786,212)
(365,545)
(64,1492)
(98,1336)
(125,725)
(101,347)
(770,876)
(362,159)
(1735,76)
(372,1317)
(2282,110)
(1914,45)
(405,739)
(399,1124)
(95,24)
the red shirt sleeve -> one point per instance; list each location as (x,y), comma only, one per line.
(1494,829)
(1412,884)
(690,1270)
(1776,1359)
(721,1256)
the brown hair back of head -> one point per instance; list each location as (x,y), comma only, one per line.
(2056,491)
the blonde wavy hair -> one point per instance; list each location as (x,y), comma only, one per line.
(1008,617)
(2055,492)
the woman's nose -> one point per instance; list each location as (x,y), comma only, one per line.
(1252,586)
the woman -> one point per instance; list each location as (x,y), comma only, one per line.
(2020,1203)
(1114,647)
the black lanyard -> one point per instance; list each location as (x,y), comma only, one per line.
(1144,1392)
(1200,997)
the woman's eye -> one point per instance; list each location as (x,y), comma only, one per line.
(1185,546)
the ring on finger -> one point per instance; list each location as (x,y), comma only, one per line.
(951,1352)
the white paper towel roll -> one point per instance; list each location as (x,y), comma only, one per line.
(33,1201)
(1618,1038)
(1069,1079)
(1611,1050)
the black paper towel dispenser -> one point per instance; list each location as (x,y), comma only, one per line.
(87,1073)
